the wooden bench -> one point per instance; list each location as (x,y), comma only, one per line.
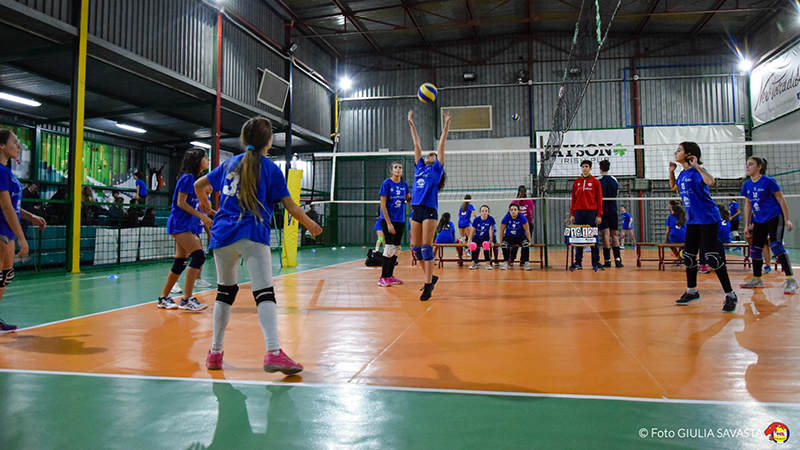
(438,250)
(662,246)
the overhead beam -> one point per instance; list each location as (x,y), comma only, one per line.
(416,24)
(650,9)
(471,19)
(702,23)
(348,13)
(306,27)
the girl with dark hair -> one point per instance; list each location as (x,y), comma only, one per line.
(250,186)
(185,224)
(676,227)
(429,179)
(515,231)
(10,228)
(482,236)
(445,231)
(392,216)
(765,216)
(465,215)
(702,226)
(141,187)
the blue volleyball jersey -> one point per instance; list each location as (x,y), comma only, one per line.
(229,223)
(676,234)
(395,194)
(9,183)
(724,232)
(378,226)
(626,220)
(447,235)
(465,216)
(426,184)
(179,220)
(610,188)
(700,208)
(733,207)
(762,198)
(482,227)
(514,227)
(141,188)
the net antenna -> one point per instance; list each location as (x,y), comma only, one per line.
(586,44)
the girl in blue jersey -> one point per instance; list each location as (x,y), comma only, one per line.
(627,227)
(676,227)
(250,186)
(465,215)
(766,211)
(378,229)
(515,231)
(185,224)
(429,179)
(10,228)
(445,231)
(141,187)
(702,225)
(395,193)
(482,236)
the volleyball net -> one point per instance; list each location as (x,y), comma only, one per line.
(492,177)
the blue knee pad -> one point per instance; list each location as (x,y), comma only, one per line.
(777,248)
(427,253)
(179,265)
(198,259)
(417,253)
(690,260)
(756,252)
(715,260)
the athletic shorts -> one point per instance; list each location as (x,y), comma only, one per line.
(610,220)
(422,213)
(393,239)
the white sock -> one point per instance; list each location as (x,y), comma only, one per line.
(222,314)
(268,319)
(691,290)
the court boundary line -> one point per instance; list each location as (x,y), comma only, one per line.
(151,302)
(662,400)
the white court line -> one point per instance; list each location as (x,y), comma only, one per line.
(406,389)
(151,302)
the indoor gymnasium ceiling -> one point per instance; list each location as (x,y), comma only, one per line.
(378,27)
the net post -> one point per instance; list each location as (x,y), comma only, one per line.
(544,230)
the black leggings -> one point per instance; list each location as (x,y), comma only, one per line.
(707,238)
(508,241)
(773,228)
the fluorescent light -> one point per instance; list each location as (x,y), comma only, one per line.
(746,65)
(14,98)
(130,128)
(345,83)
(200,144)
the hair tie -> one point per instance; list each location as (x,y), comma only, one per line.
(250,147)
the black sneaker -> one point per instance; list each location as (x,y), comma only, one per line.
(599,266)
(426,292)
(575,266)
(730,302)
(687,298)
(607,264)
(618,264)
(6,328)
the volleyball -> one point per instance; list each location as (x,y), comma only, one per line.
(427,93)
(515,117)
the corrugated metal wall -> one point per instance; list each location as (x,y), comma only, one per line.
(58,9)
(177,34)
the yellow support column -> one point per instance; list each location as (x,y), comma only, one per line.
(76,147)
(290,224)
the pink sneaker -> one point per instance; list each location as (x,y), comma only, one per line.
(281,363)
(395,280)
(384,282)
(704,269)
(214,360)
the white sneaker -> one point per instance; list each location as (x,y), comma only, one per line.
(527,265)
(622,247)
(474,265)
(489,266)
(202,284)
(176,289)
(505,266)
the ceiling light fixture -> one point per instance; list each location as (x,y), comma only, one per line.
(200,144)
(131,128)
(14,98)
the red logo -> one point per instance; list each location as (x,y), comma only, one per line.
(777,432)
